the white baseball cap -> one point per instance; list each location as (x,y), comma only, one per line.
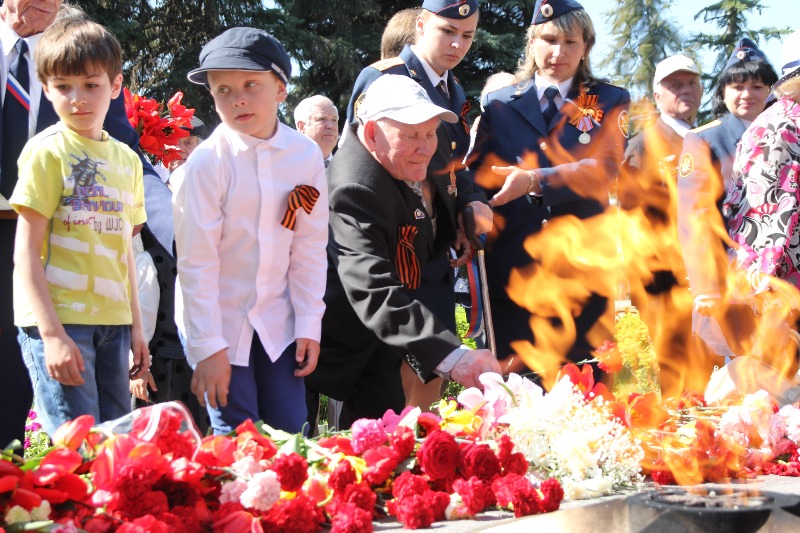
(673,64)
(402,99)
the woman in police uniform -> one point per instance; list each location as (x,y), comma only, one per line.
(547,147)
(705,173)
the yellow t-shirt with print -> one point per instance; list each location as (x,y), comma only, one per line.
(93,194)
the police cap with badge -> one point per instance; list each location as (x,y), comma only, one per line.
(451,9)
(745,50)
(547,10)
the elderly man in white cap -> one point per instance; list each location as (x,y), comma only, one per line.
(647,181)
(386,221)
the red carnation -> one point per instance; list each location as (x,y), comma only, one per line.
(481,462)
(403,442)
(342,476)
(381,463)
(145,524)
(292,470)
(298,515)
(552,494)
(414,512)
(351,519)
(439,455)
(473,494)
(504,488)
(408,484)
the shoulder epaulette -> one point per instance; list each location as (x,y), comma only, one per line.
(704,127)
(385,64)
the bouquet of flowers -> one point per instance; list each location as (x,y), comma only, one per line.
(570,434)
(159,126)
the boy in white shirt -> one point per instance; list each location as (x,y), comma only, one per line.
(251,227)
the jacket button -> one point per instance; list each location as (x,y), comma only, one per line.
(543,145)
(453,145)
(544,223)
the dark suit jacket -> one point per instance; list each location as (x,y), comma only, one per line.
(512,131)
(368,309)
(445,170)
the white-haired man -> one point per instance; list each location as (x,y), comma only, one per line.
(383,231)
(317,118)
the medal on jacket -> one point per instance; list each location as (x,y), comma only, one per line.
(452,189)
(585,114)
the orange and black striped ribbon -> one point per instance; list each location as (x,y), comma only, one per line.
(407,264)
(303,196)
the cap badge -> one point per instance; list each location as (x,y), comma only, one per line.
(742,55)
(547,11)
(463,10)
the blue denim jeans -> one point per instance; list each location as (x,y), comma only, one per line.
(265,391)
(105,393)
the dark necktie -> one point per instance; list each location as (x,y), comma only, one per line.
(550,111)
(16,109)
(442,88)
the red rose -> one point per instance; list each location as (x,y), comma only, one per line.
(292,470)
(428,423)
(515,464)
(439,455)
(481,462)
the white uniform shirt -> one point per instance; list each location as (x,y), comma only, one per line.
(239,269)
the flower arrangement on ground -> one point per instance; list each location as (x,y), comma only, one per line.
(151,471)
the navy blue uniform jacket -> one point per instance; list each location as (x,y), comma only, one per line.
(574,178)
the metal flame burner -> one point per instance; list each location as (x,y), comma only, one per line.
(681,510)
(702,509)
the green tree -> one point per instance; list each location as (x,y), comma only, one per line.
(730,18)
(642,37)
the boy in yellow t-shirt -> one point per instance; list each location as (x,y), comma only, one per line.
(79,195)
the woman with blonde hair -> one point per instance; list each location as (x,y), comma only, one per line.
(547,147)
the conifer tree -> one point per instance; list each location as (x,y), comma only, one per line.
(642,38)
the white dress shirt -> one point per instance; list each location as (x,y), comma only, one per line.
(681,127)
(8,39)
(239,269)
(542,85)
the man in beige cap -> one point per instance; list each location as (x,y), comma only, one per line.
(647,181)
(387,220)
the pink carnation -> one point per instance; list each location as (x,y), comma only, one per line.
(367,434)
(263,490)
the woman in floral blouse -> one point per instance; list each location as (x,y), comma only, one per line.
(763,221)
(765,197)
